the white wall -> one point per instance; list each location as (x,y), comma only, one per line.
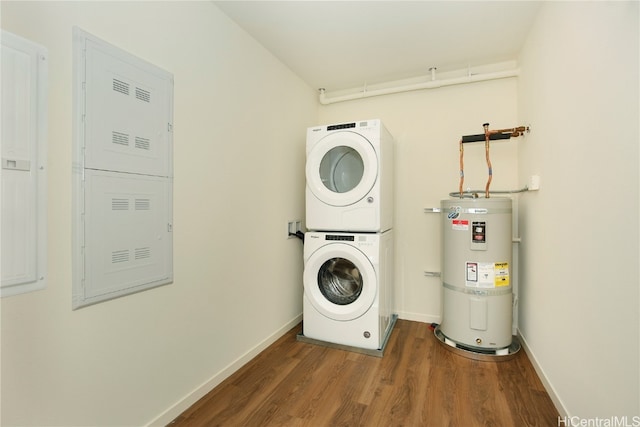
(239,128)
(427,126)
(579,298)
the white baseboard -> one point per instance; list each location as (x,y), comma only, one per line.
(186,402)
(543,377)
(418,317)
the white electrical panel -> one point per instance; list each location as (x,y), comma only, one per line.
(130,219)
(126,114)
(23,171)
(123,170)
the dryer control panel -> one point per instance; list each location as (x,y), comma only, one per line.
(342,126)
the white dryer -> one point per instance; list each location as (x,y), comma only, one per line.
(349,173)
(348,293)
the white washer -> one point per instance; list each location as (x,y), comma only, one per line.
(349,175)
(348,292)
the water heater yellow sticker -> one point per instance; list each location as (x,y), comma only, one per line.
(501,274)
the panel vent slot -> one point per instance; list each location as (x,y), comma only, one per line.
(120,86)
(120,204)
(120,256)
(142,253)
(143,143)
(143,204)
(143,95)
(119,138)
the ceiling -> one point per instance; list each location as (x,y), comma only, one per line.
(340,45)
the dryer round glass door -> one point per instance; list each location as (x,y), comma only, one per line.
(340,281)
(342,168)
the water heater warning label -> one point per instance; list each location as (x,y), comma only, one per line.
(460,224)
(486,274)
(472,272)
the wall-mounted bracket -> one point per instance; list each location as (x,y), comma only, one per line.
(432,273)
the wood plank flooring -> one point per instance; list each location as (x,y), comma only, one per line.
(418,382)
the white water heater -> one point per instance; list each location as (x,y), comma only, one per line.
(476,273)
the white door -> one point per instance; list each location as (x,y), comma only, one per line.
(342,168)
(340,281)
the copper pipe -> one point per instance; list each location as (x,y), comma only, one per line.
(517,131)
(461,168)
(510,132)
(487,134)
(513,132)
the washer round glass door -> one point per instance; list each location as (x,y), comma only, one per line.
(340,282)
(342,168)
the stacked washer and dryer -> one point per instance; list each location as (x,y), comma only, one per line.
(349,250)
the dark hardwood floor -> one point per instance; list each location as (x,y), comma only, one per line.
(418,382)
